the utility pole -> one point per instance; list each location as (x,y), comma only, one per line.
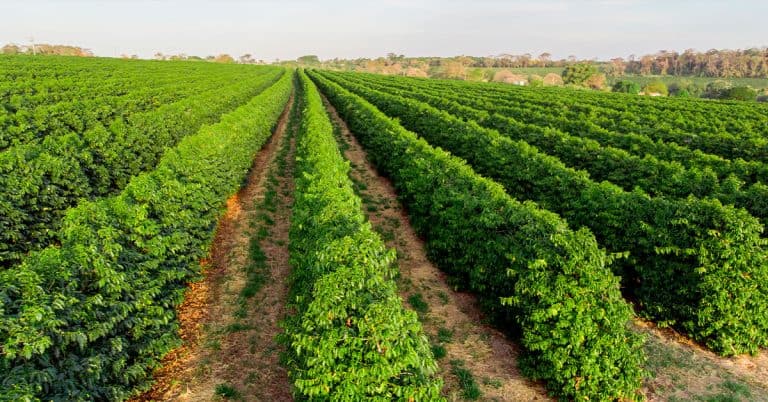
(34,50)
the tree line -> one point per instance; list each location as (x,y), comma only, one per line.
(748,63)
(46,49)
(714,63)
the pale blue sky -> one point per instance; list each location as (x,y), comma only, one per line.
(286,29)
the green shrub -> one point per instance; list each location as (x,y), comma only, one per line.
(739,93)
(628,87)
(351,338)
(698,264)
(554,284)
(578,73)
(90,319)
(656,87)
(40,180)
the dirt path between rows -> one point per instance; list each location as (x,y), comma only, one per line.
(684,371)
(452,319)
(229,341)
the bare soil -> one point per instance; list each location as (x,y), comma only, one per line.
(486,352)
(682,370)
(222,349)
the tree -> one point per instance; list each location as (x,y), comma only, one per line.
(535,80)
(662,62)
(656,87)
(309,59)
(685,88)
(646,65)
(553,79)
(716,89)
(616,67)
(393,69)
(415,72)
(545,58)
(627,87)
(509,77)
(60,50)
(394,58)
(246,59)
(739,93)
(595,81)
(224,58)
(10,49)
(578,73)
(455,70)
(524,60)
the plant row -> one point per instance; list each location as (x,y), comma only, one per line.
(350,338)
(534,275)
(90,319)
(694,130)
(38,182)
(31,124)
(654,176)
(26,82)
(693,263)
(741,119)
(577,124)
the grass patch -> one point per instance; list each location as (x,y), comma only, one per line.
(236,327)
(492,383)
(213,344)
(416,301)
(736,388)
(404,283)
(256,270)
(387,235)
(439,351)
(266,219)
(469,388)
(263,233)
(227,391)
(443,297)
(393,222)
(444,335)
(343,144)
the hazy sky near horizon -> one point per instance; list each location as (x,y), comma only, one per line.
(286,29)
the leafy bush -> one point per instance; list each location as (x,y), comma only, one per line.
(578,73)
(685,88)
(656,87)
(716,89)
(739,93)
(628,87)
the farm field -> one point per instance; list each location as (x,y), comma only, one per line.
(199,231)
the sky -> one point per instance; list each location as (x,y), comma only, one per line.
(287,29)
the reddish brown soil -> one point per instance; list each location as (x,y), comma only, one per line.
(213,353)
